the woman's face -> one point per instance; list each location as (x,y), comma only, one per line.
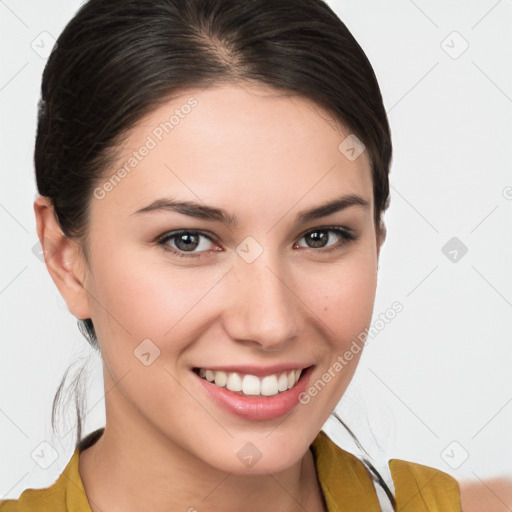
(261,290)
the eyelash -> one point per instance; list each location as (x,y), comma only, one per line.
(346,236)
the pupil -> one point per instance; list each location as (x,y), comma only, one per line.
(190,242)
(318,238)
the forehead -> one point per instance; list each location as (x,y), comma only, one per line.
(237,147)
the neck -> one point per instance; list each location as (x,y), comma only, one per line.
(136,469)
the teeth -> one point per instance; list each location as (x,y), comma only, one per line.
(269,386)
(234,382)
(220,379)
(250,384)
(282,383)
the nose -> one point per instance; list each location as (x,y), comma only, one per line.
(262,308)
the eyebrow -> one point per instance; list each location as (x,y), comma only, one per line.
(211,213)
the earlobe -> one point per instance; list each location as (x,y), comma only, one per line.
(63,259)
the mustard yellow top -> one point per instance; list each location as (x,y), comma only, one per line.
(346,484)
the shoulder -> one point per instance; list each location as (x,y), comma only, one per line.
(418,488)
(67,493)
(32,500)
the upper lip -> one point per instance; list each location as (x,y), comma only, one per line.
(258,371)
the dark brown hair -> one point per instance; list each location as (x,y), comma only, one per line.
(116,61)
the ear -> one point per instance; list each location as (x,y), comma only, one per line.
(63,259)
(381,236)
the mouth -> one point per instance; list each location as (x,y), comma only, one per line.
(254,393)
(246,384)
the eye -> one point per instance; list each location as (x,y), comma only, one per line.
(192,243)
(187,241)
(320,238)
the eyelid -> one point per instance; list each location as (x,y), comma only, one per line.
(333,227)
(345,235)
(170,234)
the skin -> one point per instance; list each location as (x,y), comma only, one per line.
(492,495)
(263,157)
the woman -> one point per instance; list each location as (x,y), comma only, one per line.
(212,179)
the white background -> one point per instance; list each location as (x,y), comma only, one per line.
(434,386)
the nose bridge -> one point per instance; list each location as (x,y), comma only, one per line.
(263,309)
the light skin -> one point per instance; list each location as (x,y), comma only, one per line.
(263,157)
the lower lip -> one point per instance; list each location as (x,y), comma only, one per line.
(257,407)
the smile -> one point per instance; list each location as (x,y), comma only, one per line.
(251,385)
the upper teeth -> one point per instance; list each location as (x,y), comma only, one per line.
(250,384)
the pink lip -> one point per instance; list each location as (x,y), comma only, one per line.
(258,408)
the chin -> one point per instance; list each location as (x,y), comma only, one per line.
(259,455)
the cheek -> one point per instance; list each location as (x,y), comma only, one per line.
(145,306)
(139,295)
(343,294)
(344,304)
